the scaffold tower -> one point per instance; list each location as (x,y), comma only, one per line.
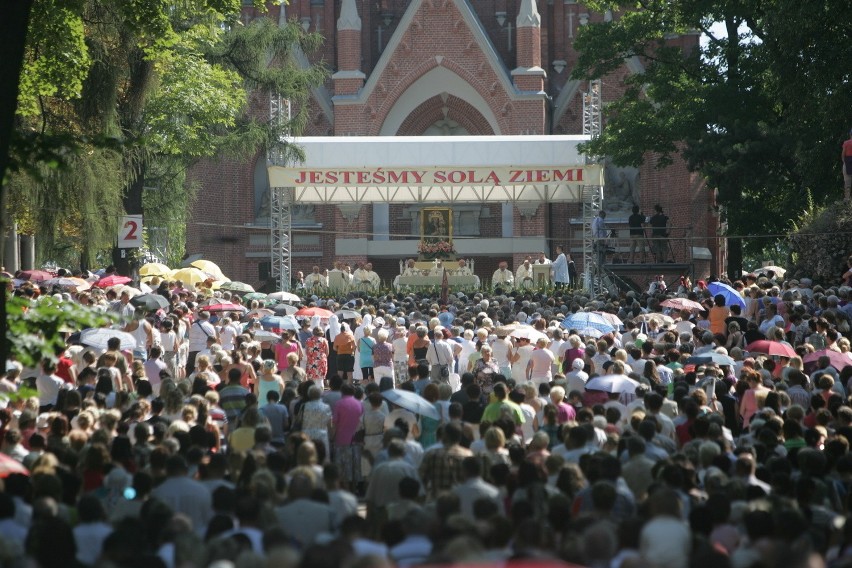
(280,200)
(594,278)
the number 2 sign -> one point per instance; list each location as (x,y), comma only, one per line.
(130,232)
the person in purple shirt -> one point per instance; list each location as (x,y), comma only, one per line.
(346,420)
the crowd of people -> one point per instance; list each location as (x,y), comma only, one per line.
(678,428)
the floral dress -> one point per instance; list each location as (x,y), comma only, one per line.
(317,363)
(316,419)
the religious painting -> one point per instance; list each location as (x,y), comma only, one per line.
(436,225)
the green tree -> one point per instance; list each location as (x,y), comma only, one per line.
(743,108)
(122,95)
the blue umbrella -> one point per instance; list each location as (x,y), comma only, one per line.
(587,320)
(731,296)
(280,322)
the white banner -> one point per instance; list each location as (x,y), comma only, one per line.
(430,177)
(130,232)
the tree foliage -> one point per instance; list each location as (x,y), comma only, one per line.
(821,243)
(122,94)
(756,109)
(36,329)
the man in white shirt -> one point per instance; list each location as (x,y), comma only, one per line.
(503,276)
(153,367)
(199,331)
(577,378)
(315,279)
(227,333)
(542,259)
(48,386)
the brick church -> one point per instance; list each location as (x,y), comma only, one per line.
(443,68)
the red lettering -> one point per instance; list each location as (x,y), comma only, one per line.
(314,177)
(300,179)
(397,177)
(347,177)
(541,175)
(579,174)
(515,176)
(418,176)
(363,177)
(566,175)
(440,176)
(492,177)
(331,177)
(379,176)
(457,176)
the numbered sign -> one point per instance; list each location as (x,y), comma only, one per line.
(130,232)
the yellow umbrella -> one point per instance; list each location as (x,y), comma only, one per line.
(189,276)
(154,269)
(210,268)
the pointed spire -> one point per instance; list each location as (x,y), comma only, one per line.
(528,16)
(349,19)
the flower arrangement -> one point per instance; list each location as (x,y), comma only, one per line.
(439,249)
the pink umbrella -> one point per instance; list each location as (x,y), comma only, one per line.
(10,466)
(682,304)
(224,307)
(112,280)
(770,348)
(311,312)
(837,360)
(35,275)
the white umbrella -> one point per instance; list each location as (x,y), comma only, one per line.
(258,313)
(347,314)
(263,335)
(413,402)
(285,309)
(592,332)
(99,338)
(612,319)
(612,383)
(528,332)
(661,319)
(284,297)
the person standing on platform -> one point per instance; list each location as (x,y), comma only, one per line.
(559,269)
(600,233)
(660,233)
(637,233)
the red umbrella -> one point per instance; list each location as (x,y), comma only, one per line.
(837,360)
(224,307)
(9,466)
(682,304)
(35,275)
(311,312)
(113,280)
(770,348)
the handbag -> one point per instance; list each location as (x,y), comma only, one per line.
(297,423)
(445,369)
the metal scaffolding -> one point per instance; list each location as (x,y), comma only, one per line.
(594,277)
(280,200)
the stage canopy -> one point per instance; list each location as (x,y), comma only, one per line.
(437,169)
